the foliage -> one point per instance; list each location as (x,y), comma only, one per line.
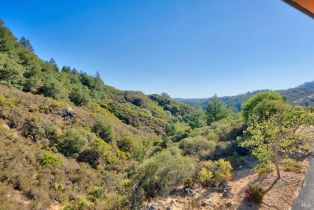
(196,119)
(79,96)
(255,193)
(280,133)
(97,192)
(11,73)
(205,176)
(160,174)
(177,131)
(215,110)
(103,131)
(262,106)
(196,146)
(215,173)
(72,143)
(50,159)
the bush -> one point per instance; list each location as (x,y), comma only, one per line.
(33,130)
(103,131)
(128,144)
(293,166)
(72,143)
(205,177)
(79,97)
(177,131)
(50,159)
(53,89)
(90,156)
(255,193)
(160,174)
(215,173)
(195,145)
(97,193)
(222,172)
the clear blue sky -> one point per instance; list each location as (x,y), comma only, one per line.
(187,48)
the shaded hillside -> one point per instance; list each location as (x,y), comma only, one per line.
(302,95)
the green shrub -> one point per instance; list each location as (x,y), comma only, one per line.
(160,174)
(97,193)
(177,131)
(53,89)
(72,143)
(293,166)
(79,96)
(128,144)
(196,145)
(222,172)
(57,187)
(215,173)
(90,156)
(50,159)
(205,177)
(255,193)
(103,131)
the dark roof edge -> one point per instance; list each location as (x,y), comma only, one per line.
(300,8)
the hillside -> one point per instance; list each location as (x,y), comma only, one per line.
(302,95)
(69,141)
(67,138)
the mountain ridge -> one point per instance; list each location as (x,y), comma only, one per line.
(302,95)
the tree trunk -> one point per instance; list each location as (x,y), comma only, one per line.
(278,171)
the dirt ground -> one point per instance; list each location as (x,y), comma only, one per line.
(280,197)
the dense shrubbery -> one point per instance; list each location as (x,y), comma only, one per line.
(50,159)
(103,131)
(197,146)
(161,174)
(215,173)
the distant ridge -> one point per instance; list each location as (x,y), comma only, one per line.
(302,95)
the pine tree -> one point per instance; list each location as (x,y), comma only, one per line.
(215,110)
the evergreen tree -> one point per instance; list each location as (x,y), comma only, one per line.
(25,42)
(215,110)
(7,40)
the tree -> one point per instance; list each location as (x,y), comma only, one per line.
(53,89)
(98,75)
(11,73)
(278,136)
(26,43)
(263,105)
(197,118)
(166,95)
(215,110)
(7,40)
